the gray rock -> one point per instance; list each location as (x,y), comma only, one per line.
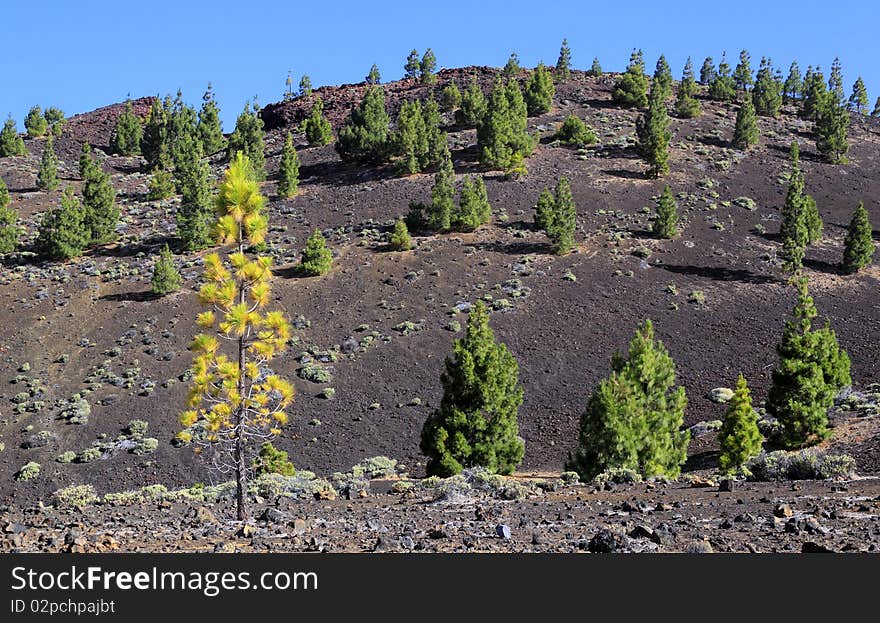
(503,531)
(721,395)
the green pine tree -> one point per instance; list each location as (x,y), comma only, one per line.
(631,89)
(595,69)
(662,78)
(723,87)
(363,137)
(99,201)
(10,232)
(47,177)
(832,129)
(476,423)
(633,418)
(745,133)
(305,86)
(374,77)
(767,94)
(708,71)
(742,75)
(209,127)
(686,105)
(62,233)
(411,138)
(812,369)
(317,128)
(544,209)
(55,118)
(154,143)
(666,221)
(563,63)
(859,245)
(439,216)
(473,208)
(161,185)
(794,231)
(835,83)
(127,134)
(794,84)
(473,105)
(165,278)
(195,216)
(450,97)
(539,91)
(11,143)
(400,239)
(413,66)
(575,132)
(876,111)
(316,258)
(512,68)
(739,436)
(502,137)
(652,129)
(35,123)
(427,66)
(248,139)
(288,169)
(562,222)
(858,101)
(815,93)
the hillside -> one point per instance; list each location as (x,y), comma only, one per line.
(379,322)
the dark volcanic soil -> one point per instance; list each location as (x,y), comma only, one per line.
(716,294)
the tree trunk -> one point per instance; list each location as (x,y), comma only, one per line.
(240,462)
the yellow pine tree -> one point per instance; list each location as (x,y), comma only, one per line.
(237,399)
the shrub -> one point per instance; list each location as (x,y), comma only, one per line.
(575,132)
(66,457)
(89,454)
(316,258)
(273,461)
(617,476)
(804,465)
(28,471)
(400,239)
(75,496)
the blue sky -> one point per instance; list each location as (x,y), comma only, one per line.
(85,54)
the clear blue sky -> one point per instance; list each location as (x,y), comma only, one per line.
(85,54)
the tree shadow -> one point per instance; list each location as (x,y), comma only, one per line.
(625,152)
(821,266)
(521,226)
(603,104)
(294,271)
(625,174)
(720,273)
(713,141)
(128,169)
(145,296)
(148,245)
(770,236)
(339,173)
(809,156)
(701,461)
(520,247)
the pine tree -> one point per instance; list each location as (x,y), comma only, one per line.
(127,135)
(473,105)
(723,87)
(363,137)
(238,398)
(450,97)
(412,67)
(859,245)
(427,66)
(812,219)
(305,86)
(652,129)
(55,118)
(11,144)
(835,83)
(411,138)
(815,93)
(742,75)
(195,216)
(10,232)
(767,94)
(473,208)
(666,221)
(739,436)
(476,423)
(502,135)
(858,101)
(561,223)
(99,202)
(794,84)
(439,215)
(832,128)
(248,139)
(35,124)
(544,209)
(62,233)
(317,129)
(374,77)
(288,169)
(595,69)
(745,133)
(812,369)
(436,137)
(686,105)
(563,63)
(662,78)
(47,177)
(400,239)
(539,91)
(794,230)
(165,278)
(512,68)
(575,132)
(161,185)
(876,111)
(633,418)
(154,143)
(316,258)
(288,87)
(631,89)
(707,71)
(210,129)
